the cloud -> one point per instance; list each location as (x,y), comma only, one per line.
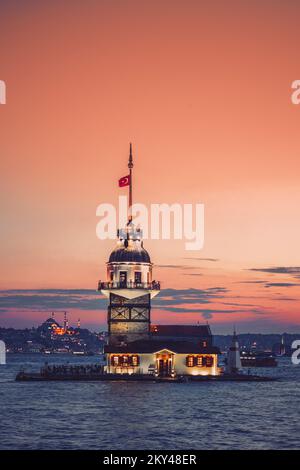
(278,270)
(204,259)
(251,282)
(236,304)
(192,274)
(88,299)
(287,299)
(186,301)
(179,301)
(173,300)
(47,291)
(207,313)
(188,296)
(293,271)
(281,284)
(52,299)
(175,266)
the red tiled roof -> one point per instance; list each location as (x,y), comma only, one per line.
(149,346)
(181,330)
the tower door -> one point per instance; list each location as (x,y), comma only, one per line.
(164,365)
(123,278)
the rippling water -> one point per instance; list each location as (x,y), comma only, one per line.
(103,415)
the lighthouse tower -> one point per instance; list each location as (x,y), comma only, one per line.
(129,285)
(233,356)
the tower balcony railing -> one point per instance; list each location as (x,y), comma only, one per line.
(104,285)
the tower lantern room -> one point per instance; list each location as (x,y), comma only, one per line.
(129,269)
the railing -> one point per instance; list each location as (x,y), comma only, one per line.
(125,370)
(154,285)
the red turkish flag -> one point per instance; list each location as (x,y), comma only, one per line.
(125,181)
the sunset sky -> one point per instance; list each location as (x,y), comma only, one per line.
(203,90)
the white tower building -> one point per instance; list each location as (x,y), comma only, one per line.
(2,353)
(133,346)
(129,285)
(233,356)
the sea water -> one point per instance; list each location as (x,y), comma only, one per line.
(134,415)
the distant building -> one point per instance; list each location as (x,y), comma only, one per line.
(52,327)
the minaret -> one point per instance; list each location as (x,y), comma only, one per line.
(66,322)
(233,356)
(129,286)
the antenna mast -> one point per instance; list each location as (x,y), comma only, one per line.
(130,166)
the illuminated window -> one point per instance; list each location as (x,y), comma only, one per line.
(209,361)
(115,360)
(204,344)
(199,361)
(190,361)
(123,278)
(125,360)
(135,360)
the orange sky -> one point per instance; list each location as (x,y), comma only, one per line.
(202,89)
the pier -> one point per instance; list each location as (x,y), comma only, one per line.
(96,373)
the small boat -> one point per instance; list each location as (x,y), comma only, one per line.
(251,359)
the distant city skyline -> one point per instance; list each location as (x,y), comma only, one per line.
(204,94)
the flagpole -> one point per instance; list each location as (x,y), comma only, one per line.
(130,166)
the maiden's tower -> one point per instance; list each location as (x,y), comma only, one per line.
(134,345)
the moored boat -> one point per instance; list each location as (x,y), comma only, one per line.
(250,359)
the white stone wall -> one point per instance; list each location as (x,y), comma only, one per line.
(180,366)
(182,369)
(143,368)
(146,360)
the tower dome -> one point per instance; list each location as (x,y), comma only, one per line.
(134,254)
